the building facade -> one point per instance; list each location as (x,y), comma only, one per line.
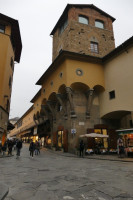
(87,88)
(10,52)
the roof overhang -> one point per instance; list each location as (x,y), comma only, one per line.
(15,35)
(67,55)
(65,12)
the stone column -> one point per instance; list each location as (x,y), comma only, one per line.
(89,95)
(51,107)
(60,99)
(70,98)
(44,112)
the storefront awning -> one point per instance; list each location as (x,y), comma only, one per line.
(125,131)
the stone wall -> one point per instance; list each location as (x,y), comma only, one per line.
(77,36)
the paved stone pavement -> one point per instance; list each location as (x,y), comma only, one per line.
(52,176)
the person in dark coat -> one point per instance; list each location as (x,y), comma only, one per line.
(81,148)
(32,148)
(18,147)
(10,145)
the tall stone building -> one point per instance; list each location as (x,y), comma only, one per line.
(10,51)
(88,86)
(83,29)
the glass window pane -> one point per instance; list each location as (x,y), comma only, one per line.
(83,20)
(2,28)
(94,47)
(99,24)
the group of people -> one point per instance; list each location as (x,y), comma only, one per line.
(9,145)
(34,147)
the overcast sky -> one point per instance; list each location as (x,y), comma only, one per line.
(36,20)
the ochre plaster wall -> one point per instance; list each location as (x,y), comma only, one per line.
(92,75)
(118,76)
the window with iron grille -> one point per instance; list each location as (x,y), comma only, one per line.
(94,47)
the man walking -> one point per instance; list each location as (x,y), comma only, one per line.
(81,148)
(18,147)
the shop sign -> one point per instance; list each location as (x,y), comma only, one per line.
(81,123)
(73,131)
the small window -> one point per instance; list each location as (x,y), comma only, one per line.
(2,28)
(61,74)
(7,105)
(43,91)
(99,24)
(10,82)
(112,95)
(79,72)
(62,28)
(94,47)
(12,63)
(51,83)
(83,19)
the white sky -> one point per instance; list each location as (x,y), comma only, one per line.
(36,20)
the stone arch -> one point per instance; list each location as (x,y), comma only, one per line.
(52,97)
(118,114)
(79,86)
(44,101)
(98,89)
(62,89)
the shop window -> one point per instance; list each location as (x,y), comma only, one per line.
(99,24)
(83,19)
(94,47)
(112,94)
(2,28)
(62,28)
(60,139)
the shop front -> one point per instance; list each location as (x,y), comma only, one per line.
(60,139)
(127,137)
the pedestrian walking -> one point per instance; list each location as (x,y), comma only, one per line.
(37,148)
(81,148)
(120,147)
(10,145)
(32,148)
(18,148)
(4,148)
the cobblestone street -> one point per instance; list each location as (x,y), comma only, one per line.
(50,176)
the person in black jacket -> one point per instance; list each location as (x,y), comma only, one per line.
(18,147)
(81,148)
(32,148)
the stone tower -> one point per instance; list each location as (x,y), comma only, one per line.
(83,29)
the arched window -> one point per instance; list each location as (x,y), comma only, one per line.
(99,24)
(83,19)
